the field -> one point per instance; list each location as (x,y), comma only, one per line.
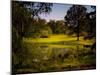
(57,53)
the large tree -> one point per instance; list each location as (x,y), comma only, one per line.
(24,12)
(74,18)
(91,16)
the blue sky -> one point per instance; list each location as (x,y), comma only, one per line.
(59,11)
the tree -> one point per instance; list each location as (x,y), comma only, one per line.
(39,28)
(57,27)
(23,14)
(74,16)
(52,25)
(36,8)
(60,27)
(91,20)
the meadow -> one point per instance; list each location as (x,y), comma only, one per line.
(57,53)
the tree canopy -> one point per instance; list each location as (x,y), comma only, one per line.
(74,18)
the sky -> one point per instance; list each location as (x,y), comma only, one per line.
(59,11)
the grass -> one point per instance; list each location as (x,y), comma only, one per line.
(53,39)
(54,48)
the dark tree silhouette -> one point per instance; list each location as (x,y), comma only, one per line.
(24,12)
(74,16)
(91,28)
(36,8)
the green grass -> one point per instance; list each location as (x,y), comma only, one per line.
(51,48)
(59,39)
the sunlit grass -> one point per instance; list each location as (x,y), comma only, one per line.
(57,52)
(58,39)
(52,38)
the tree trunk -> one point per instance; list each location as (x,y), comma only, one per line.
(77,36)
(78,31)
(91,28)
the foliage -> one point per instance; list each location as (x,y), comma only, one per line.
(74,16)
(36,8)
(22,21)
(57,27)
